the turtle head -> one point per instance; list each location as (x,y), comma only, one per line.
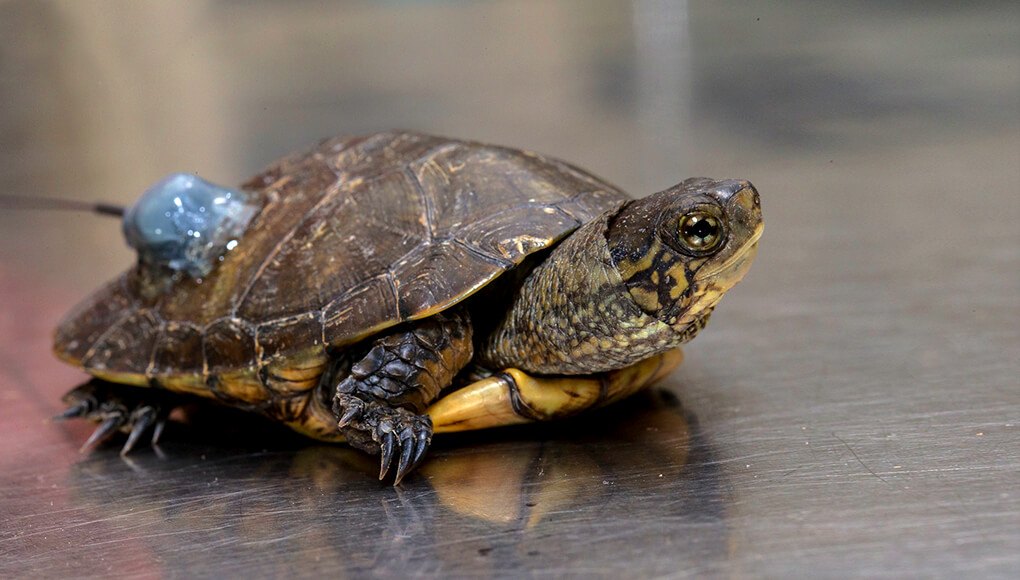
(184,223)
(681,249)
(635,282)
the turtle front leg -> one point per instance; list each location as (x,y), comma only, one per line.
(380,406)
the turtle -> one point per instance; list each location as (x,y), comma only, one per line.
(377,289)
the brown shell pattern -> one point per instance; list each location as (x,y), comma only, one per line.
(355,235)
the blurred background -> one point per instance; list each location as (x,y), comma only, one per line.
(852,407)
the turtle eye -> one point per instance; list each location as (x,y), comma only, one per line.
(700,231)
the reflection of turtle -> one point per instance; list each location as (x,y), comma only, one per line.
(350,285)
(512,503)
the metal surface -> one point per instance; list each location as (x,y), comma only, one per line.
(853,409)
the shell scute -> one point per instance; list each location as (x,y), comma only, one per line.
(362,310)
(433,276)
(81,328)
(227,341)
(588,205)
(355,232)
(515,232)
(178,350)
(380,153)
(466,184)
(129,342)
(273,339)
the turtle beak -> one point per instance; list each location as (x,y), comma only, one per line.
(743,211)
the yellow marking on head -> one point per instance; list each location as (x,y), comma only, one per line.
(646,299)
(679,285)
(628,269)
(709,290)
(679,270)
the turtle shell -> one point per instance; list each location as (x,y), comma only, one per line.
(354,235)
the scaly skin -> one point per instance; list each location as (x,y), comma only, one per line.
(574,315)
(379,406)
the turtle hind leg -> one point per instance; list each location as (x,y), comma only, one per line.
(380,405)
(118,408)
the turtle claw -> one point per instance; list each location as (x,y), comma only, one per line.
(387,446)
(376,427)
(103,432)
(350,413)
(78,410)
(407,449)
(143,419)
(117,408)
(157,431)
(420,443)
(414,441)
(421,446)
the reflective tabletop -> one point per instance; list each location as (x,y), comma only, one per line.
(853,409)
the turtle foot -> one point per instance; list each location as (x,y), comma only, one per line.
(375,427)
(122,408)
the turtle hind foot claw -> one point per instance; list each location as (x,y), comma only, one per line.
(392,432)
(122,408)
